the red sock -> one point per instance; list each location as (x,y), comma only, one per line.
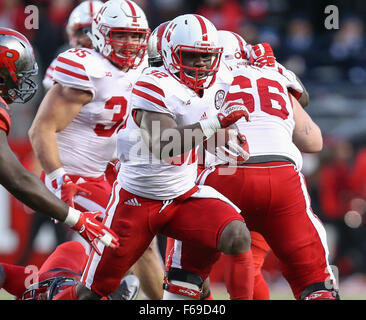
(261,290)
(239,275)
(15,279)
(67,294)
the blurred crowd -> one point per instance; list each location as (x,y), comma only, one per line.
(331,59)
(295,30)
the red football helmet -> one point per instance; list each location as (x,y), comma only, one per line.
(17,65)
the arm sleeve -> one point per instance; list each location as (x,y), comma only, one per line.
(5,122)
(70,71)
(15,279)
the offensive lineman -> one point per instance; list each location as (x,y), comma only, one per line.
(269,187)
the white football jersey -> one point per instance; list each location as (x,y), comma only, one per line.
(48,77)
(156,90)
(269,132)
(89,141)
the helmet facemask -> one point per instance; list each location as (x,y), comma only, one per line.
(47,289)
(26,89)
(193,76)
(125,47)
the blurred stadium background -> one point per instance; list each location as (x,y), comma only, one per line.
(331,64)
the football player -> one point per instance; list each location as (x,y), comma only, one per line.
(61,269)
(155,191)
(258,245)
(17,65)
(77,29)
(269,187)
(74,132)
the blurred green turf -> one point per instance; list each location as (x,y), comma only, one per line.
(219,293)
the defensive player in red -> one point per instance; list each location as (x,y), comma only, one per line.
(62,269)
(17,65)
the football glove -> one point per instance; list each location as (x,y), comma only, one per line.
(229,114)
(262,55)
(91,229)
(64,188)
(232,112)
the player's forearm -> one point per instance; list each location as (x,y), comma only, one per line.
(179,140)
(308,137)
(164,138)
(28,188)
(32,191)
(44,144)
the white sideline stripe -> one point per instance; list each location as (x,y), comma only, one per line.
(317,224)
(89,277)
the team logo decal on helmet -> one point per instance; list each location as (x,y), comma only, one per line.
(7,60)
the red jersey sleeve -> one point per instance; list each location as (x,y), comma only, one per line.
(5,122)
